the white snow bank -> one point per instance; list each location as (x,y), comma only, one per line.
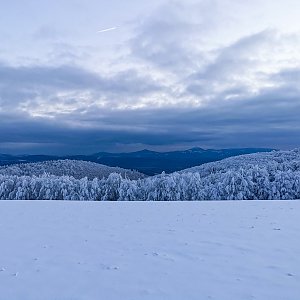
(149,250)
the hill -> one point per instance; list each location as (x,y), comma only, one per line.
(73,168)
(275,160)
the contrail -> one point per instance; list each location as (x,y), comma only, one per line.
(107,29)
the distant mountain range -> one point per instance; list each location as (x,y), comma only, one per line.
(145,161)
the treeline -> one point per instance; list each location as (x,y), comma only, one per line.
(251,183)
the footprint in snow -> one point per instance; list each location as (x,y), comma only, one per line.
(112,268)
(105,267)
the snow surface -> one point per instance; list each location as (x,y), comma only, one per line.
(55,250)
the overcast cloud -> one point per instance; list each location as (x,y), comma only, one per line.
(174,74)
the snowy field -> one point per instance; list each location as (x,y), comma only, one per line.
(149,250)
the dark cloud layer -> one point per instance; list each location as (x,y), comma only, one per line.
(270,119)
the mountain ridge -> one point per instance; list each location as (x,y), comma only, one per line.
(145,161)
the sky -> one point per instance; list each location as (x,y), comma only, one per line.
(168,75)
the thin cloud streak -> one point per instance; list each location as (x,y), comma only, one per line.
(107,29)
